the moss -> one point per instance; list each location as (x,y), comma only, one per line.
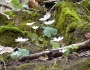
(24,15)
(64,15)
(20,17)
(49,66)
(26,66)
(16,27)
(80,64)
(86,4)
(86,66)
(75,31)
(69,23)
(9,34)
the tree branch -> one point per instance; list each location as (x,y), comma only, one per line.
(4,15)
(55,52)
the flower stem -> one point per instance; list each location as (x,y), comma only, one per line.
(30,29)
(21,44)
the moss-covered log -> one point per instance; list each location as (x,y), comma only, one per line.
(70,22)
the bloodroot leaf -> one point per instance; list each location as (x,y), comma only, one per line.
(49,31)
(15,55)
(23,52)
(55,45)
(20,52)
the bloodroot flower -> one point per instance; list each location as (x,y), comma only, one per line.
(29,24)
(49,22)
(21,40)
(46,16)
(57,39)
(35,27)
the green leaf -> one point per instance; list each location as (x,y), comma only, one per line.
(66,53)
(1,58)
(72,47)
(34,36)
(15,55)
(16,4)
(54,31)
(55,45)
(41,39)
(20,52)
(68,48)
(74,52)
(23,52)
(48,31)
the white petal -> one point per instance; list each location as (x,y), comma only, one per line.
(35,27)
(46,23)
(42,19)
(57,39)
(20,39)
(46,16)
(29,24)
(52,21)
(60,38)
(49,22)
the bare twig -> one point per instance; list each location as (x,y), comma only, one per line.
(3,64)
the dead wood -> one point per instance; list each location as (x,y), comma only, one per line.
(82,45)
(6,6)
(55,52)
(50,53)
(5,16)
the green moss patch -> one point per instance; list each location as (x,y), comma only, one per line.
(65,14)
(69,22)
(9,34)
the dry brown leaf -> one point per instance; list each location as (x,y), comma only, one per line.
(41,58)
(87,36)
(33,3)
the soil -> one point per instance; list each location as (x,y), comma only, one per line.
(70,59)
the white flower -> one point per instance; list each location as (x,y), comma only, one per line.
(46,16)
(49,22)
(35,27)
(8,1)
(20,39)
(57,39)
(84,0)
(29,24)
(78,2)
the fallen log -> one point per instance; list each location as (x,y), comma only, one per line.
(50,53)
(55,52)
